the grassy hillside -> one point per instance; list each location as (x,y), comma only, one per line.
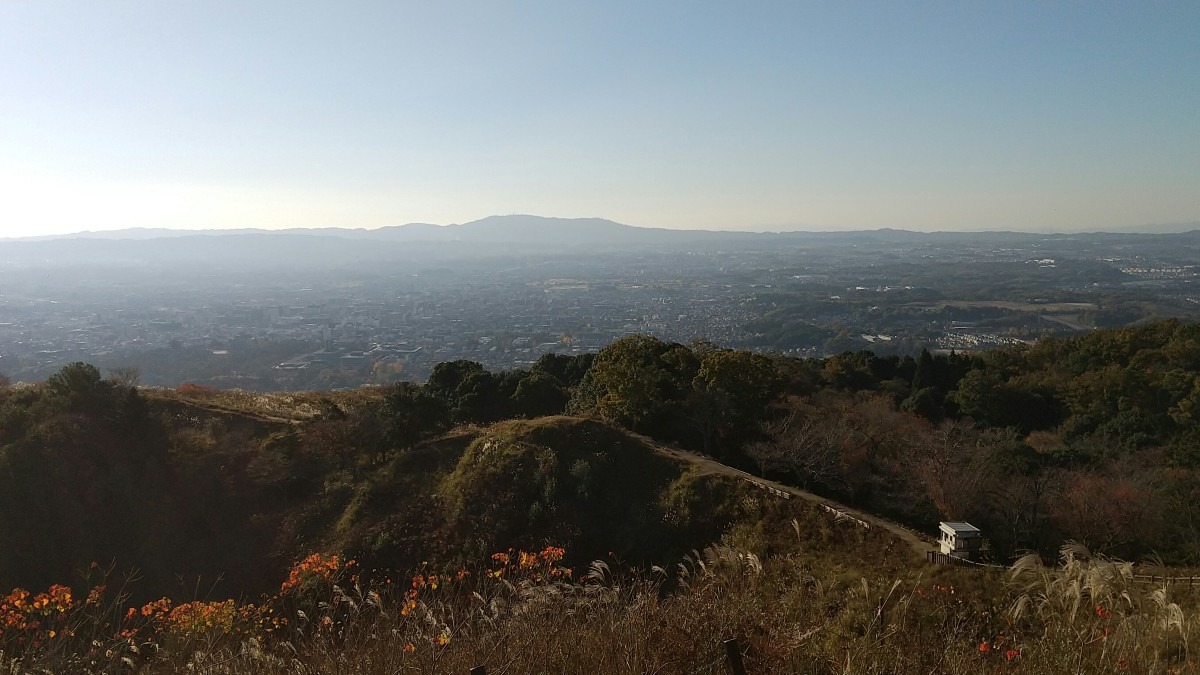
(223,491)
(430,528)
(775,586)
(561,481)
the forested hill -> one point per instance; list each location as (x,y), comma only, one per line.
(1092,439)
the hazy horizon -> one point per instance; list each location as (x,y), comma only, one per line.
(1147,228)
(790,116)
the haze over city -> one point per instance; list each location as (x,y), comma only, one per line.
(779,116)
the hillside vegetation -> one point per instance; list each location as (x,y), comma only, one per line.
(199,495)
(506,486)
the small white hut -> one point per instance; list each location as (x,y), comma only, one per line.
(960,539)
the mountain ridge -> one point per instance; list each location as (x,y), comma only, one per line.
(526,228)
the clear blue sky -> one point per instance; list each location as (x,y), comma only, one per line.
(789,115)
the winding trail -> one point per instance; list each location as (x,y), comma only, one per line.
(919,544)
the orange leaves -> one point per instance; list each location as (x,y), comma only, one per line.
(536,566)
(548,555)
(442,639)
(198,618)
(12,610)
(312,603)
(33,619)
(410,599)
(421,581)
(552,554)
(57,598)
(19,612)
(16,598)
(95,595)
(154,611)
(313,568)
(60,598)
(996,645)
(15,602)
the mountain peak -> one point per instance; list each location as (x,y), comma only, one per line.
(518,228)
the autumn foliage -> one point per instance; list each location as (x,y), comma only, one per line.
(523,611)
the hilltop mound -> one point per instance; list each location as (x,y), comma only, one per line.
(567,481)
(187,485)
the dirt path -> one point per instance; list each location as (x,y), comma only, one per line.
(917,542)
(214,408)
(217,409)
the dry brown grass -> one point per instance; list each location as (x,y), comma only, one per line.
(278,406)
(1085,616)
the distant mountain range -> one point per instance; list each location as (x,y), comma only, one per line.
(543,231)
(422,245)
(514,229)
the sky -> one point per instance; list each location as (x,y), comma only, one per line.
(1053,116)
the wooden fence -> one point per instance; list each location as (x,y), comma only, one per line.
(838,514)
(1163,579)
(842,515)
(939,558)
